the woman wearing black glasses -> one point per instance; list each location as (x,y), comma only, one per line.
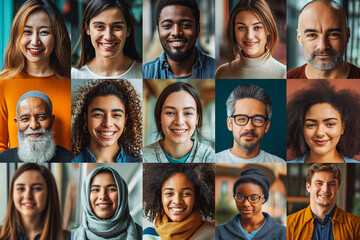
(251,191)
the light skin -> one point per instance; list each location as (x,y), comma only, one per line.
(106,118)
(323,128)
(37,43)
(103,195)
(178,123)
(251,213)
(322,29)
(34,114)
(323,189)
(250,34)
(30,198)
(178,33)
(108,32)
(178,197)
(247,138)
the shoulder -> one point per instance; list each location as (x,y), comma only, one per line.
(268,157)
(278,69)
(134,71)
(298,160)
(222,71)
(225,156)
(276,228)
(228,229)
(354,72)
(297,73)
(348,218)
(129,158)
(203,152)
(80,158)
(150,68)
(61,155)
(151,153)
(9,155)
(150,234)
(207,232)
(297,217)
(83,72)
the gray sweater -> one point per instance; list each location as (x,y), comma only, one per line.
(200,153)
(231,230)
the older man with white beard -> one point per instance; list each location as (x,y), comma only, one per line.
(35,135)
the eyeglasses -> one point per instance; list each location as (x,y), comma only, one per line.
(242,120)
(251,198)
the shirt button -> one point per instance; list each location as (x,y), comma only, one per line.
(322,226)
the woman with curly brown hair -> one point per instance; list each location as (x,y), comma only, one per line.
(106,122)
(323,124)
(179,197)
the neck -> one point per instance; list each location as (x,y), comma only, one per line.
(39,69)
(245,153)
(104,154)
(252,224)
(32,226)
(331,156)
(184,67)
(109,67)
(176,150)
(320,211)
(341,71)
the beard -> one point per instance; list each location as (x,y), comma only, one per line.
(178,56)
(331,61)
(38,150)
(245,144)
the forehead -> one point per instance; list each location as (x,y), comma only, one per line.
(322,111)
(178,181)
(38,17)
(247,17)
(106,102)
(109,15)
(33,105)
(29,177)
(103,178)
(249,106)
(321,17)
(180,100)
(324,176)
(176,13)
(249,188)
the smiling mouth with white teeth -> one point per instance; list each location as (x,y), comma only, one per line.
(103,205)
(108,45)
(107,134)
(177,210)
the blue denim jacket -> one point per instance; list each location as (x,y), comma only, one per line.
(87,157)
(158,68)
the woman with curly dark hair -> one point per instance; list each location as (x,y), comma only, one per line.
(178,117)
(179,197)
(106,122)
(323,124)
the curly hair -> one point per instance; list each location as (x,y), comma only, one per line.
(346,101)
(131,138)
(202,176)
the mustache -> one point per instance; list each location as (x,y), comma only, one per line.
(326,52)
(30,131)
(249,133)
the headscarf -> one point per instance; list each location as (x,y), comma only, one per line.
(120,226)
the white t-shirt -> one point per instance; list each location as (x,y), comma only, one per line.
(134,72)
(227,157)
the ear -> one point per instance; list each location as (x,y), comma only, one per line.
(197,30)
(343,129)
(16,121)
(52,120)
(299,37)
(229,124)
(87,30)
(308,187)
(347,35)
(128,32)
(85,118)
(267,126)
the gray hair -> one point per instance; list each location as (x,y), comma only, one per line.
(248,91)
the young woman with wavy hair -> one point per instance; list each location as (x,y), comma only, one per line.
(39,44)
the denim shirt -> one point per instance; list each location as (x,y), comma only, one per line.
(324,230)
(87,157)
(159,68)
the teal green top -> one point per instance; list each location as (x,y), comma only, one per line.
(173,160)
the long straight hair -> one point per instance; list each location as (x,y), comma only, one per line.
(15,61)
(51,216)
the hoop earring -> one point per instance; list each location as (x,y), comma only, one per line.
(124,129)
(85,128)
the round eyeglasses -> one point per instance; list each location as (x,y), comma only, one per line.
(254,198)
(256,120)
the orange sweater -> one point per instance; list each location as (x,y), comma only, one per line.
(300,225)
(58,90)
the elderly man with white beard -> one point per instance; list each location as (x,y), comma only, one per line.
(35,132)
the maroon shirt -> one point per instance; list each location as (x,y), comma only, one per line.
(299,73)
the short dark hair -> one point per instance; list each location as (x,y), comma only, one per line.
(188,3)
(176,87)
(248,91)
(346,101)
(323,167)
(202,176)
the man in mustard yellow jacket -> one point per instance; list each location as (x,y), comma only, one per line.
(322,219)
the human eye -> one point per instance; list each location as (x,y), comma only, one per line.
(168,193)
(20,189)
(95,189)
(170,113)
(97,114)
(166,26)
(186,25)
(112,189)
(189,113)
(310,125)
(99,27)
(24,119)
(27,32)
(259,119)
(311,35)
(241,118)
(334,35)
(44,33)
(331,124)
(37,189)
(42,117)
(254,197)
(258,27)
(241,28)
(118,27)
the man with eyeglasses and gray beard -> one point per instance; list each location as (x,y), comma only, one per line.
(35,132)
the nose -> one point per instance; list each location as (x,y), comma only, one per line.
(177,199)
(246,202)
(103,194)
(320,131)
(107,121)
(176,30)
(249,125)
(250,33)
(323,43)
(108,34)
(35,40)
(179,119)
(34,123)
(324,188)
(27,193)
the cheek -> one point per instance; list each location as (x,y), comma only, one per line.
(46,124)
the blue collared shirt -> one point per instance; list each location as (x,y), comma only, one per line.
(159,68)
(87,157)
(324,230)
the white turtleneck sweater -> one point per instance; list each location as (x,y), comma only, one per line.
(264,66)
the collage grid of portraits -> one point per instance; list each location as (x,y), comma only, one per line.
(179,119)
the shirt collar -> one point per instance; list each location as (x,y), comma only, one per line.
(198,63)
(327,217)
(89,155)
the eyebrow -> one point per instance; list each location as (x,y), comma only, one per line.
(185,188)
(245,24)
(118,22)
(26,115)
(102,110)
(174,108)
(181,20)
(39,27)
(110,185)
(325,120)
(22,184)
